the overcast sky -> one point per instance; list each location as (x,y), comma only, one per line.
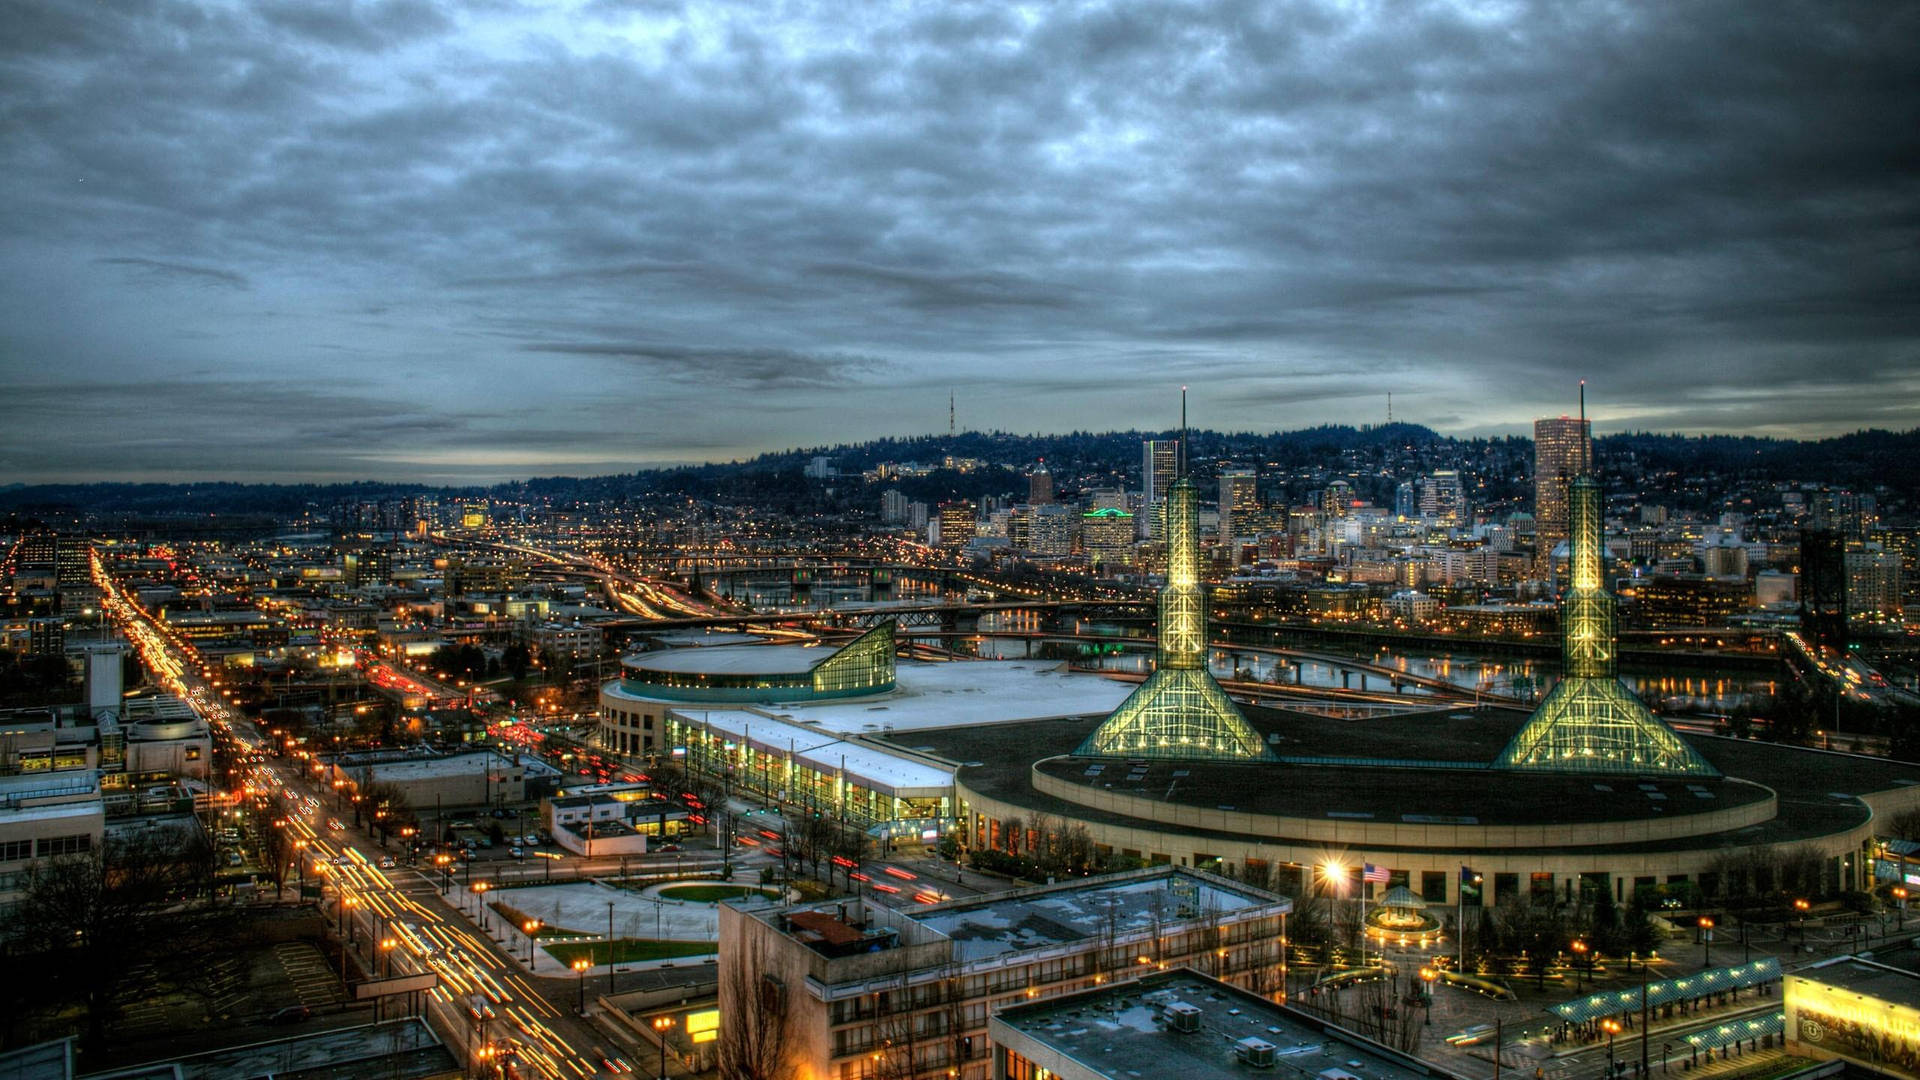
(293,239)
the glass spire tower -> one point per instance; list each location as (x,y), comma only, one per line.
(1180,712)
(1591,723)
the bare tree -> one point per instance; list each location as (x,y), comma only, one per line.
(91,919)
(753,1018)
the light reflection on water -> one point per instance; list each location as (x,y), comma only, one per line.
(1685,689)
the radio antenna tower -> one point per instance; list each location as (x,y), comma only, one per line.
(950,429)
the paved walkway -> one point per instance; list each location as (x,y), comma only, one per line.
(586,907)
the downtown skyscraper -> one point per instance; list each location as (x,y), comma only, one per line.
(1562,450)
(1159,464)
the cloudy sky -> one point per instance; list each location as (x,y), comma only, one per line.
(332,239)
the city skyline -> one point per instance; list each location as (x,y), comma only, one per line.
(416,242)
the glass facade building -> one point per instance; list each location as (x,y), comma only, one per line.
(758,674)
(1179,712)
(1591,722)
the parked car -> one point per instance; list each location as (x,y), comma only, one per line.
(386,862)
(292,1014)
(516,853)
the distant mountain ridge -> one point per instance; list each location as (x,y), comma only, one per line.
(1863,460)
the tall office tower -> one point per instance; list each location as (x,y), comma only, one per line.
(1052,530)
(1159,464)
(1443,498)
(1106,535)
(1845,512)
(1180,711)
(1239,503)
(893,506)
(1406,500)
(1823,587)
(1040,485)
(1562,450)
(1873,588)
(1336,499)
(957,523)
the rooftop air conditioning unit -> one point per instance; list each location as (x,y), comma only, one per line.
(1182,1017)
(1257,1053)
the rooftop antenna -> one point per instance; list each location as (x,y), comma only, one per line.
(1183,432)
(950,414)
(1586,433)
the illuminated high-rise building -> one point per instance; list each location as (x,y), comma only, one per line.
(1336,500)
(1106,534)
(1562,450)
(958,523)
(1239,502)
(1591,722)
(1443,498)
(1180,711)
(1159,464)
(1039,486)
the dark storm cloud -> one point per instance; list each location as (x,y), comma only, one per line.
(198,274)
(518,229)
(726,369)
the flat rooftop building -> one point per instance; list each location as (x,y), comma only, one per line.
(1182,1025)
(866,984)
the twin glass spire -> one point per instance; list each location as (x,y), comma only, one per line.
(1180,712)
(1591,723)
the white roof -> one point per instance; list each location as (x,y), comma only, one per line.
(734,659)
(964,692)
(868,765)
(967,692)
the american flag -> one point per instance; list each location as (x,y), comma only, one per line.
(1374,873)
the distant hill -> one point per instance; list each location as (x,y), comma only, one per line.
(1864,460)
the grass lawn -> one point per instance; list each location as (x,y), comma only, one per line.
(710,894)
(628,950)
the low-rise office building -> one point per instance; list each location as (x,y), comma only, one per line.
(892,988)
(44,816)
(1182,1025)
(426,778)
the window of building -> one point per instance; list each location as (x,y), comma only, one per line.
(65,845)
(1433,886)
(1505,887)
(1540,888)
(15,850)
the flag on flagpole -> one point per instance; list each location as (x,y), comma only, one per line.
(1374,873)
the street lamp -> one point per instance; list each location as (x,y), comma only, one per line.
(532,925)
(1579,962)
(1612,1028)
(347,904)
(1427,975)
(480,903)
(386,955)
(1900,894)
(580,967)
(1706,941)
(662,1025)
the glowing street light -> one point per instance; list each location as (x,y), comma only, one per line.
(662,1025)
